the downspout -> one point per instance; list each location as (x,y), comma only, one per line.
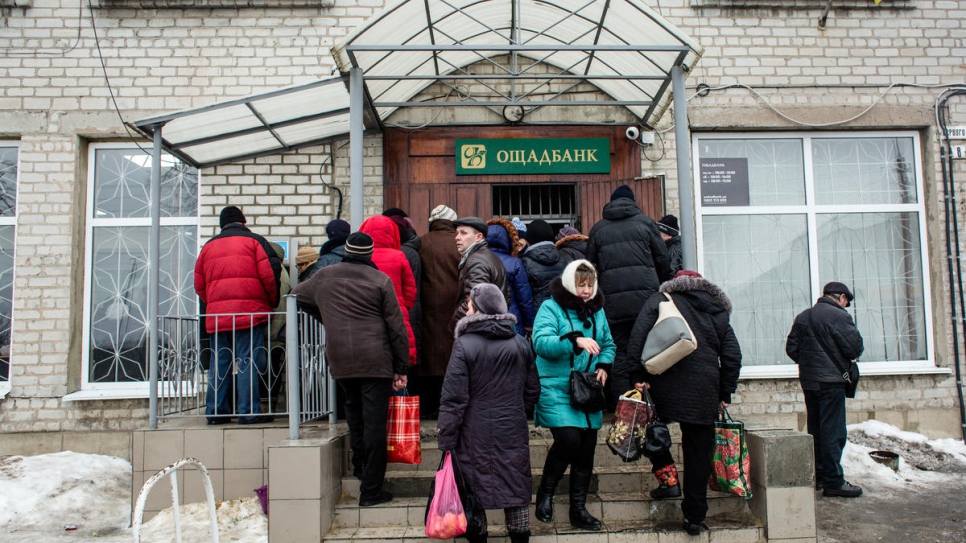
(154,279)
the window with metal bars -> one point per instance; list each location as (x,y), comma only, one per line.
(551,202)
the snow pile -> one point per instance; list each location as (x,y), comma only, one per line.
(64,488)
(238,521)
(921,461)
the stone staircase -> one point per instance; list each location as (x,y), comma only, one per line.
(618,496)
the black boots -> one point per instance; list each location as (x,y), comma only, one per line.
(579,485)
(478,538)
(522,537)
(553,471)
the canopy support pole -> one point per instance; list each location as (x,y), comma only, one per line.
(682,147)
(356,136)
(154,279)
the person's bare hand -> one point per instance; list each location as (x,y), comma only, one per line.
(641,386)
(588,344)
(399,382)
(602,377)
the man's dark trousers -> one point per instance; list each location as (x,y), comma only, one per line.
(826,423)
(366,408)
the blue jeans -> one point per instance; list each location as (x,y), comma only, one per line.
(825,411)
(248,349)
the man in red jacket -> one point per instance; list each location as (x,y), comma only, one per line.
(237,277)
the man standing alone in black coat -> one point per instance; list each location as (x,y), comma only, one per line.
(629,254)
(823,342)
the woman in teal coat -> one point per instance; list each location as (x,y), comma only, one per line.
(570,330)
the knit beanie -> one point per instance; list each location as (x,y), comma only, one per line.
(306,255)
(359,244)
(567,231)
(669,225)
(539,230)
(487,298)
(569,276)
(622,191)
(337,228)
(519,225)
(442,212)
(229,215)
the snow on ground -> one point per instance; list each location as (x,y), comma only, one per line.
(40,495)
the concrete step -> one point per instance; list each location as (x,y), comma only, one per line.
(625,478)
(722,529)
(539,446)
(614,507)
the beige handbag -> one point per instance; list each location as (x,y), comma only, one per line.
(669,340)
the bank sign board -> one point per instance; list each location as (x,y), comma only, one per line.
(529,156)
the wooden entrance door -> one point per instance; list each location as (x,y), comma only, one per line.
(420,172)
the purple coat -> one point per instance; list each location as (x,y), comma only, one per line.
(490,381)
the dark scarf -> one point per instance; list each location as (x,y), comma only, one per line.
(359,259)
(330,245)
(568,300)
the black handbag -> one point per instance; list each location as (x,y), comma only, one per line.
(657,437)
(586,392)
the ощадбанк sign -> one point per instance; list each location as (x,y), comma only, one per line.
(532,156)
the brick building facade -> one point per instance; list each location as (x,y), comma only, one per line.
(767,73)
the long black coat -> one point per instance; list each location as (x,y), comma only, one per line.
(490,381)
(691,390)
(837,330)
(626,248)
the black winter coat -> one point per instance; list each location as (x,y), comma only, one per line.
(626,248)
(837,330)
(490,382)
(543,265)
(572,248)
(691,390)
(675,255)
(411,249)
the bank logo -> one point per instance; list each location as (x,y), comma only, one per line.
(473,156)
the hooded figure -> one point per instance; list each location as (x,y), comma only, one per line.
(693,390)
(390,260)
(490,383)
(410,244)
(541,260)
(502,238)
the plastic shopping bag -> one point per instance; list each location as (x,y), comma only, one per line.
(627,431)
(445,517)
(730,463)
(402,430)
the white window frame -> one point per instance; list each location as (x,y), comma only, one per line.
(811,211)
(137,389)
(5,386)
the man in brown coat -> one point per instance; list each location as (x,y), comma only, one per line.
(437,291)
(367,348)
(478,264)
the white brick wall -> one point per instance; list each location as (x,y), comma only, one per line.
(54,99)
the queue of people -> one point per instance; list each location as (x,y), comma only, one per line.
(505,311)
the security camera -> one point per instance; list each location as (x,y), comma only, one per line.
(632,133)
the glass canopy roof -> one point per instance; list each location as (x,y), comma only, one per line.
(529,53)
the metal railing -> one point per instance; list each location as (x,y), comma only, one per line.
(254,361)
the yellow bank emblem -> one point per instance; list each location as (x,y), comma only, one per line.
(473,157)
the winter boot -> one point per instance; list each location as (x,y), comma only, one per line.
(519,537)
(553,471)
(477,538)
(579,485)
(668,478)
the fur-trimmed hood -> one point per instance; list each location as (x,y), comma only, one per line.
(565,240)
(568,300)
(512,234)
(501,325)
(688,284)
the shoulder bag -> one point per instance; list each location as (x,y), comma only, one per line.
(669,340)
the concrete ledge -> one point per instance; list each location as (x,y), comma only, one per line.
(34,443)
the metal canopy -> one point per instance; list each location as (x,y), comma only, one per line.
(544,48)
(488,54)
(258,125)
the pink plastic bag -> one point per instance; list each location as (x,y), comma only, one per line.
(445,518)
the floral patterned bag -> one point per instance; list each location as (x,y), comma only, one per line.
(730,463)
(626,433)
